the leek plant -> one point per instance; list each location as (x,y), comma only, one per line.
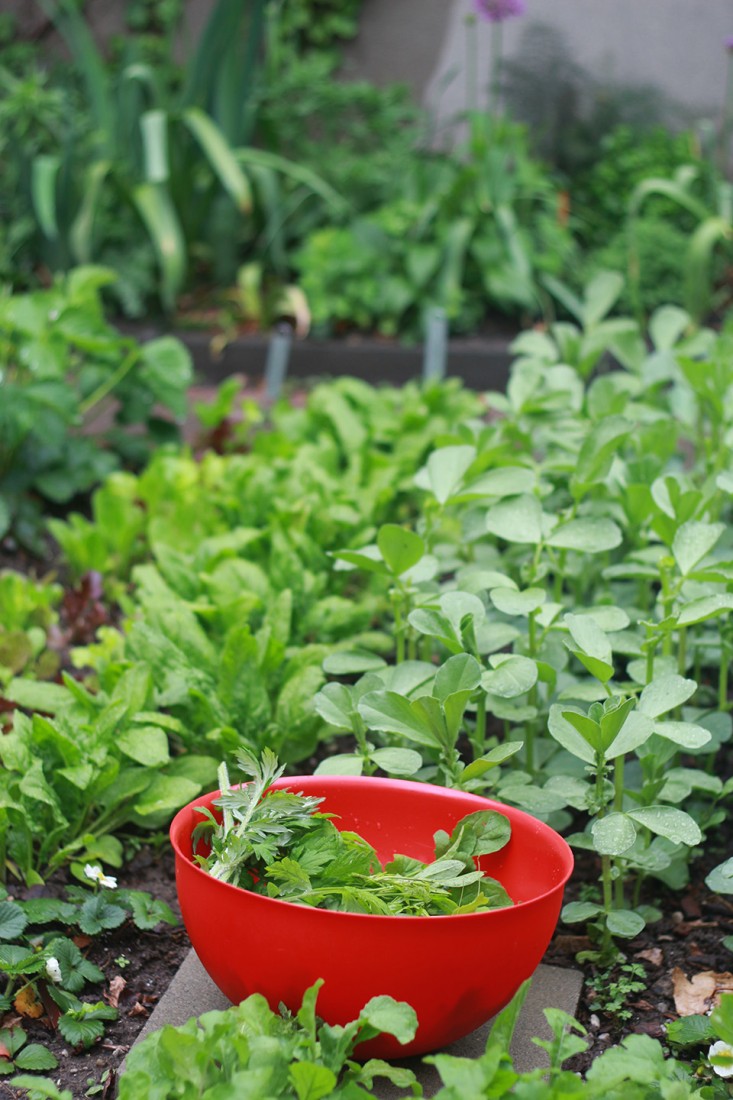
(178,158)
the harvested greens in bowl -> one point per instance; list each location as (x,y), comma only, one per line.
(280,844)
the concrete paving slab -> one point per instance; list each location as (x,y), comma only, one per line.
(192,993)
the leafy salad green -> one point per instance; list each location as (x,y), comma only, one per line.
(277,843)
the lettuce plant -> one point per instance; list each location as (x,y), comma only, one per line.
(60,361)
(251,1050)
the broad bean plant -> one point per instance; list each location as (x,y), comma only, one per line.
(526,595)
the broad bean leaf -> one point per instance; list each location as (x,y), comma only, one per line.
(400,548)
(513,675)
(443,473)
(613,834)
(675,825)
(510,601)
(397,761)
(490,760)
(577,912)
(566,734)
(501,481)
(693,541)
(636,730)
(349,662)
(459,674)
(597,452)
(665,693)
(587,536)
(704,608)
(386,710)
(685,734)
(625,923)
(720,879)
(516,519)
(341,764)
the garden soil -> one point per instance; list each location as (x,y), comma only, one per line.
(681,962)
(681,959)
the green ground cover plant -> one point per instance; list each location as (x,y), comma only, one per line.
(251,1048)
(499,663)
(478,227)
(228,622)
(255,1050)
(40,958)
(534,605)
(28,609)
(61,363)
(298,175)
(104,183)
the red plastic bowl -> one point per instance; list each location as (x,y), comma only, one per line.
(456,971)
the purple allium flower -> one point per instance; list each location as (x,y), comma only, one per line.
(496,11)
(729,43)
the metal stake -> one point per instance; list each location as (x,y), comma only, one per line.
(436,346)
(276,366)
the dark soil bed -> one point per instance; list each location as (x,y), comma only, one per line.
(139,966)
(686,940)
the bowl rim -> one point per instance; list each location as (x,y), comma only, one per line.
(563,848)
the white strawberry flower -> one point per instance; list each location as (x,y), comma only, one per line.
(725,1050)
(53,970)
(96,874)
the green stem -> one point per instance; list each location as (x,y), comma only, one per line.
(362,744)
(682,650)
(723,676)
(479,733)
(222,776)
(496,58)
(667,609)
(532,696)
(618,805)
(618,784)
(471,64)
(398,627)
(607,882)
(109,384)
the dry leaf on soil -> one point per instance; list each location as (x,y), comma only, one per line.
(116,988)
(654,955)
(697,995)
(27,1004)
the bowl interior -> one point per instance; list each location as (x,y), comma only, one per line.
(399,816)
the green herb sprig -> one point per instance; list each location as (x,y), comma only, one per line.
(277,843)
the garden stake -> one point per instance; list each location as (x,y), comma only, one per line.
(278,354)
(436,335)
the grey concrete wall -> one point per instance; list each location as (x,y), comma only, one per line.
(676,45)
